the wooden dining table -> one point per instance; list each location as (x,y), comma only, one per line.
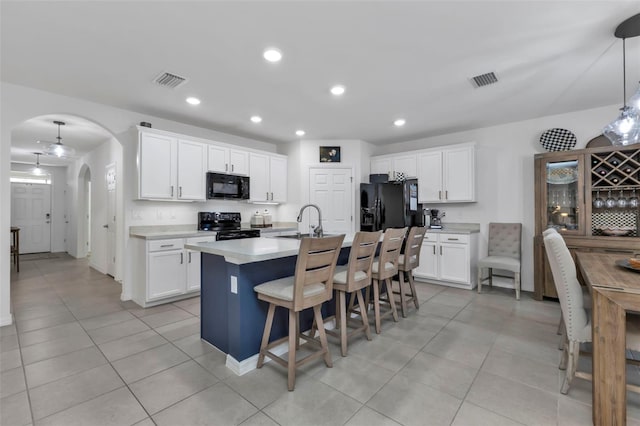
(615,291)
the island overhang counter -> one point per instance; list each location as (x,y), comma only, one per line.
(232,317)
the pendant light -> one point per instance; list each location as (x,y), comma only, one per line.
(58,149)
(625,130)
(37,170)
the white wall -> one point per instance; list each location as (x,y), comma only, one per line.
(58,204)
(19,104)
(504,171)
(304,154)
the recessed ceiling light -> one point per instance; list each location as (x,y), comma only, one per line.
(272,54)
(256,119)
(193,101)
(300,132)
(337,90)
(399,122)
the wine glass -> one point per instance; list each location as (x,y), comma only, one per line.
(622,202)
(610,202)
(633,200)
(598,203)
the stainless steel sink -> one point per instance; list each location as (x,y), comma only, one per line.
(300,236)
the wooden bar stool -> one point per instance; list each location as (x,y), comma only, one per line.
(310,287)
(407,262)
(383,270)
(15,246)
(351,279)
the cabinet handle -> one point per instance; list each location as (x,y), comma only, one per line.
(232,167)
(181,258)
(172,190)
(439,195)
(180,191)
(272,196)
(267,196)
(189,257)
(440,250)
(226,167)
(446,195)
(618,251)
(452,239)
(434,250)
(166,245)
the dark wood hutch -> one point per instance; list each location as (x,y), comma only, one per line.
(567,184)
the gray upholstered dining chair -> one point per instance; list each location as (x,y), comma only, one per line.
(505,253)
(577,319)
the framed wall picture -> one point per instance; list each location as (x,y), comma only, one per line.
(329,154)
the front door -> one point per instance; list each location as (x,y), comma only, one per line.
(332,190)
(31,212)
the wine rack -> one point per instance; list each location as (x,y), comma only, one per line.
(615,170)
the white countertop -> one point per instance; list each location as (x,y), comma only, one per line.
(251,250)
(457,228)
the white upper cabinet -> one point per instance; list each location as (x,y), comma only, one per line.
(459,174)
(405,164)
(393,164)
(278,178)
(157,167)
(171,169)
(191,170)
(228,160)
(268,178)
(381,165)
(447,175)
(430,177)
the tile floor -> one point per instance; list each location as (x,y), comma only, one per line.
(77,355)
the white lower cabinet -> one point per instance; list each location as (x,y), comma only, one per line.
(449,259)
(165,271)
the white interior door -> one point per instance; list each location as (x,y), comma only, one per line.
(31,212)
(332,190)
(111,219)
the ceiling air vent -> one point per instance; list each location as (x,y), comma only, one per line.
(484,79)
(167,79)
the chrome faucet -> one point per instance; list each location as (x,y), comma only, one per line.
(317,231)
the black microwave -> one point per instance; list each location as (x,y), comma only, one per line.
(221,186)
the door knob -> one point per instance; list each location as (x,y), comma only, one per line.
(105,226)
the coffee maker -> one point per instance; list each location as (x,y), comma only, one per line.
(435,220)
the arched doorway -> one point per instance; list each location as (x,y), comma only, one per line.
(81,195)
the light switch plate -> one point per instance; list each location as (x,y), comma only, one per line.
(234,284)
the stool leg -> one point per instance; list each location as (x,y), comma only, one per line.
(265,334)
(291,362)
(403,300)
(343,321)
(363,314)
(517,285)
(323,336)
(479,279)
(392,301)
(414,293)
(376,304)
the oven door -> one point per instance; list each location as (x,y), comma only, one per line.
(227,187)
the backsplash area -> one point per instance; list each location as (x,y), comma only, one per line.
(166,213)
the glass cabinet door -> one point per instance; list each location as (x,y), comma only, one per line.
(564,195)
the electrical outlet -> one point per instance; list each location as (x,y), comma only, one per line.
(234,284)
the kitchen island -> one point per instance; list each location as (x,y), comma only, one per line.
(232,317)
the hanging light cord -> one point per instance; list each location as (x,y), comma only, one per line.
(624,75)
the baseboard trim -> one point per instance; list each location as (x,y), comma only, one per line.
(97,268)
(6,320)
(243,367)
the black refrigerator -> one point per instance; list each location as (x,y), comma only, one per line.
(389,205)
